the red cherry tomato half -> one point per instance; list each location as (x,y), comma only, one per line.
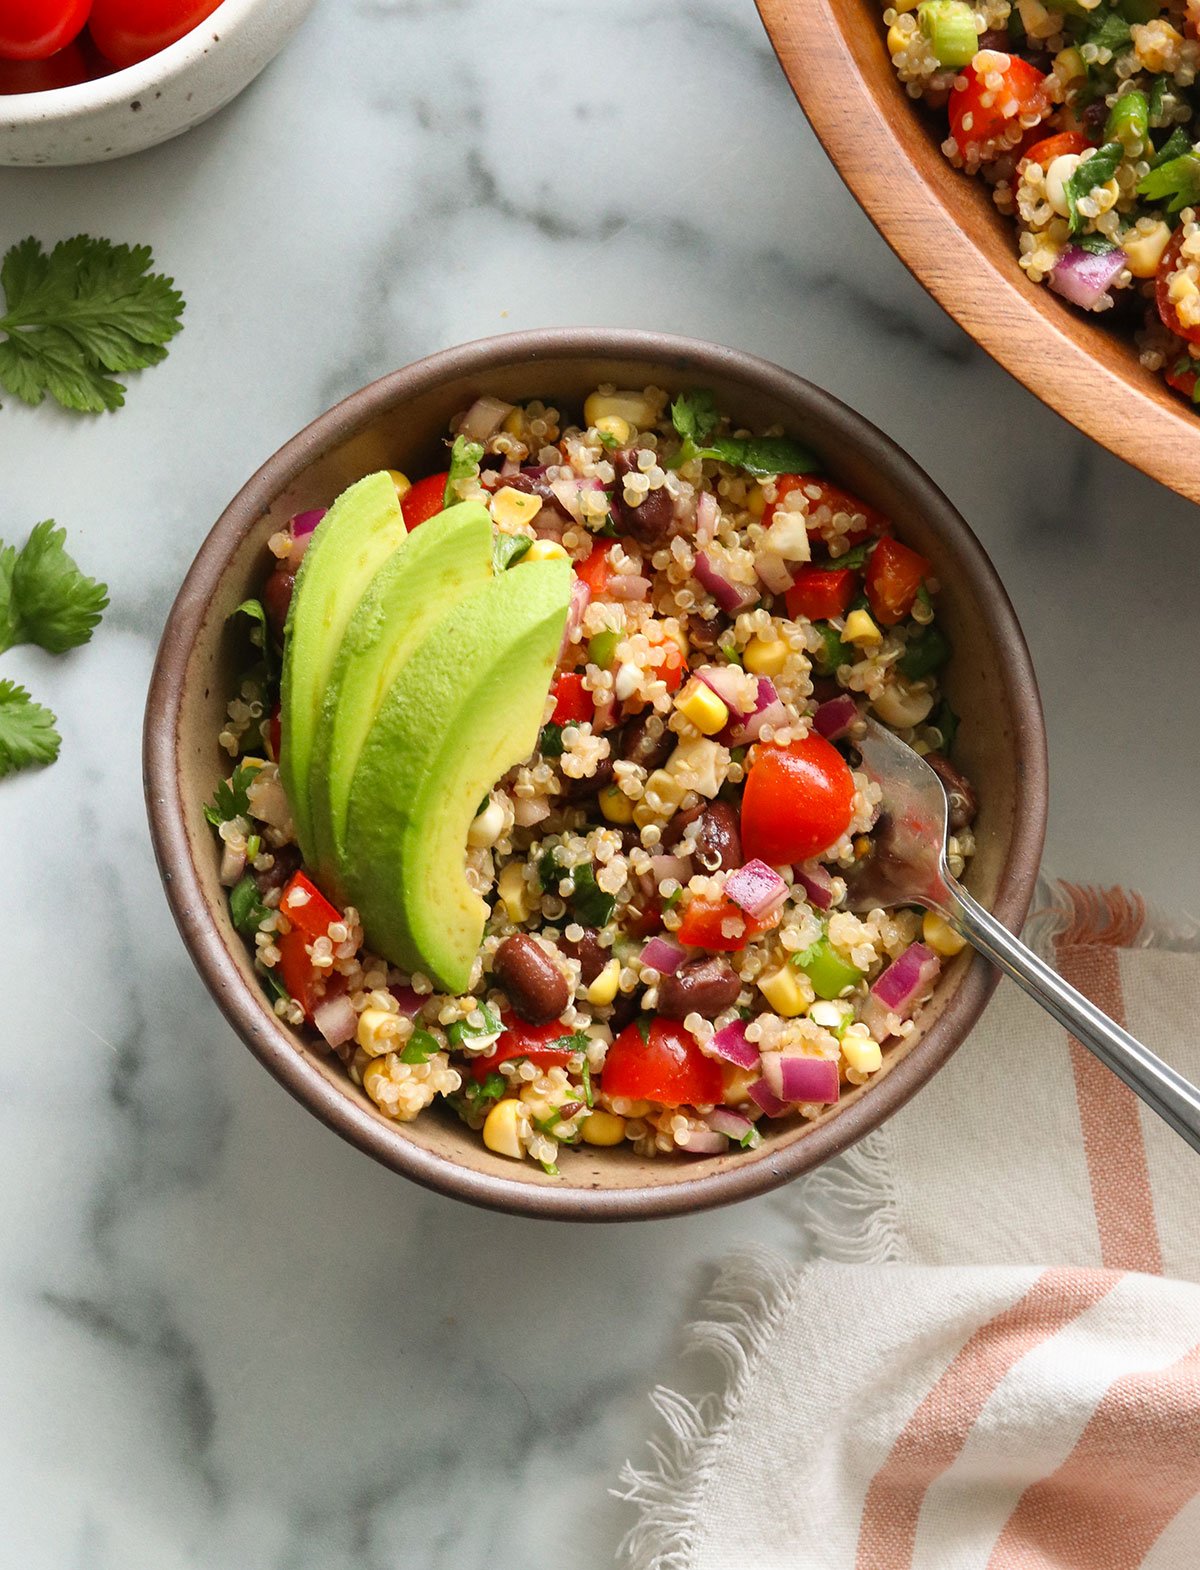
(821,493)
(721,925)
(979,114)
(1162,291)
(894,575)
(667,1066)
(535,1042)
(307,908)
(820,593)
(126,31)
(785,484)
(1183,381)
(669,666)
(36,29)
(67,68)
(1047,148)
(797,801)
(425,500)
(572,701)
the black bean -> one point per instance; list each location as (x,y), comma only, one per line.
(626,1008)
(640,745)
(277,597)
(962,799)
(701,986)
(287,861)
(652,521)
(589,951)
(704,636)
(536,485)
(536,987)
(719,840)
(574,789)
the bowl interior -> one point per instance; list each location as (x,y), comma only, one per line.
(401,423)
(947,230)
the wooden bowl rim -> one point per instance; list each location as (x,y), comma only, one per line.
(1035,336)
(245,1007)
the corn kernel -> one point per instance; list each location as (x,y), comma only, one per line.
(514,423)
(860,629)
(783,991)
(632,407)
(1069,66)
(615,804)
(376,1031)
(511,508)
(514,891)
(402,483)
(941,936)
(898,40)
(861,1053)
(613,425)
(765,656)
(701,705)
(544,550)
(502,1128)
(252,763)
(756,502)
(603,989)
(669,791)
(862,845)
(485,827)
(1144,250)
(375,1079)
(603,1128)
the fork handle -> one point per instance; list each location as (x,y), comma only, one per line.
(1174,1098)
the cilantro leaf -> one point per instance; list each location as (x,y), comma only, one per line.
(695,418)
(1096,244)
(1093,171)
(507,550)
(27,733)
(79,314)
(1177,179)
(551,743)
(694,415)
(1175,145)
(245,907)
(1111,32)
(44,598)
(465,458)
(232,799)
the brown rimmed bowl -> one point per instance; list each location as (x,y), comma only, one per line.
(400,422)
(947,231)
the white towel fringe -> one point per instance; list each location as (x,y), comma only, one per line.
(751,1294)
(849,1209)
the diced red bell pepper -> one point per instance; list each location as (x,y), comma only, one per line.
(424,500)
(572,701)
(309,986)
(670,665)
(979,114)
(307,908)
(894,574)
(596,570)
(820,593)
(521,1040)
(705,920)
(666,1065)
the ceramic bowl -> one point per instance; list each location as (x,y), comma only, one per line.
(400,422)
(150,102)
(947,231)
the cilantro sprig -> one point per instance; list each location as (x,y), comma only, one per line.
(27,733)
(1175,181)
(695,418)
(1096,169)
(232,799)
(77,316)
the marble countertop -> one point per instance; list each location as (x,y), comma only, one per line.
(227,1339)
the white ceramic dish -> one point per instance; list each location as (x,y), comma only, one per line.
(150,102)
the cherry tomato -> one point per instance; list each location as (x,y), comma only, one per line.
(67,68)
(821,493)
(670,665)
(307,908)
(597,569)
(721,925)
(980,114)
(520,1040)
(126,31)
(797,801)
(424,500)
(1162,291)
(1047,148)
(785,484)
(820,593)
(893,576)
(572,701)
(1183,381)
(36,29)
(667,1066)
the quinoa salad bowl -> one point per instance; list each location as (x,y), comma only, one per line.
(501,771)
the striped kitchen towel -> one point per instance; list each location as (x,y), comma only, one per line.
(988,1366)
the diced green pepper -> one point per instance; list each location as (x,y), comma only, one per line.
(835,653)
(589,903)
(927,651)
(602,648)
(950,28)
(419,1047)
(829,973)
(245,907)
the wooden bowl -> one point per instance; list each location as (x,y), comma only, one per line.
(947,231)
(400,422)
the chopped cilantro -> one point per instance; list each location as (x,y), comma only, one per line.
(420,1047)
(507,550)
(695,419)
(607,440)
(1096,244)
(1094,170)
(1110,32)
(1174,147)
(232,799)
(1176,181)
(927,651)
(1154,100)
(245,906)
(480,1096)
(643,1022)
(465,458)
(834,652)
(462,1032)
(694,415)
(589,902)
(585,1078)
(945,720)
(551,743)
(274,985)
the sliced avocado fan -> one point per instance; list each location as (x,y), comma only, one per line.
(353,540)
(466,707)
(428,575)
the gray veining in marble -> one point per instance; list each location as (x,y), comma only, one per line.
(226,1340)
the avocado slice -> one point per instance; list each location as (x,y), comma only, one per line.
(466,707)
(353,540)
(426,577)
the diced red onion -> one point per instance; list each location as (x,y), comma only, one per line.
(834,719)
(1083,278)
(580,598)
(724,1120)
(509,467)
(606,709)
(336,1020)
(708,515)
(304,523)
(484,418)
(628,586)
(730,1043)
(900,988)
(773,572)
(663,955)
(233,864)
(567,493)
(763,1096)
(817,884)
(729,685)
(527,812)
(757,888)
(731,597)
(703,1142)
(794,1078)
(409,1001)
(769,710)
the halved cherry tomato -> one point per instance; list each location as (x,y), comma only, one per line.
(1162,290)
(821,493)
(520,1040)
(797,801)
(721,925)
(893,576)
(572,701)
(126,31)
(820,593)
(424,500)
(667,1066)
(597,569)
(67,68)
(307,908)
(36,29)
(784,485)
(980,114)
(1183,381)
(1047,148)
(670,665)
